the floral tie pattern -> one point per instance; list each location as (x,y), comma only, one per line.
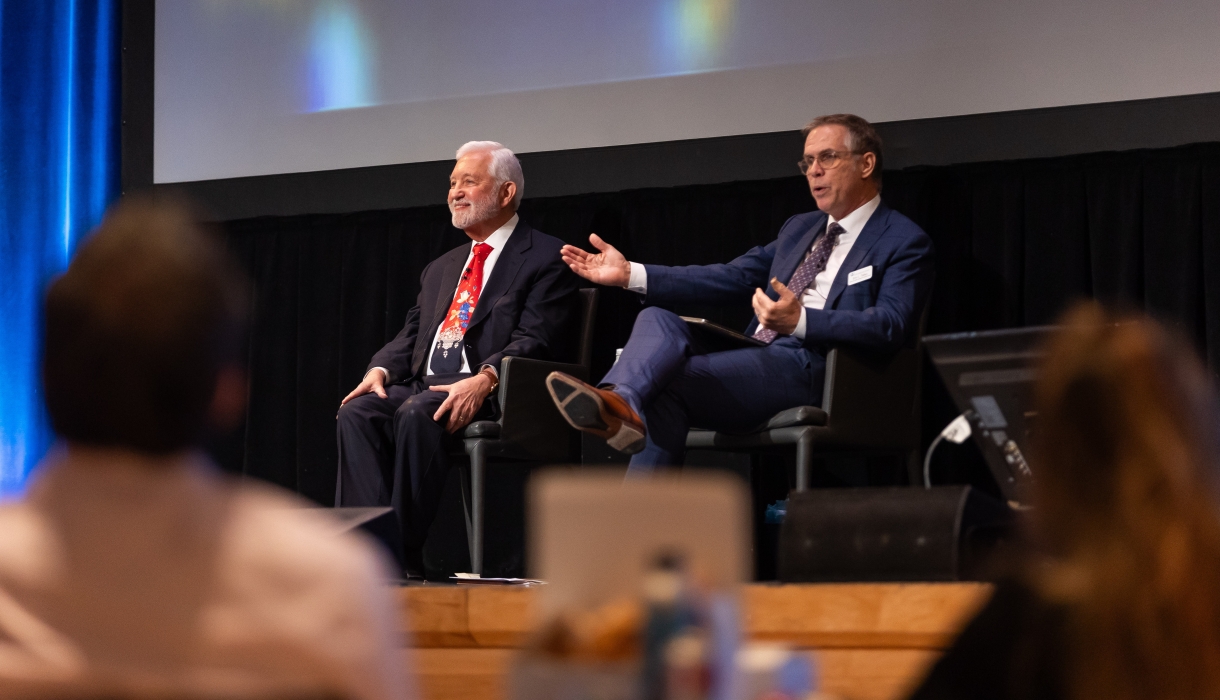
(447,356)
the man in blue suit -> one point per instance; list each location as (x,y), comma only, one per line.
(855,273)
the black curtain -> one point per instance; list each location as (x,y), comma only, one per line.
(1016,241)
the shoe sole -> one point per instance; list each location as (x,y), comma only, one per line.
(584,410)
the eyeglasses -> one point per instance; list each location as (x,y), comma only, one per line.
(829,160)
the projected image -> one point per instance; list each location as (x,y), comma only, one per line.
(342,54)
(342,59)
(359,46)
(695,31)
(255,87)
(690,35)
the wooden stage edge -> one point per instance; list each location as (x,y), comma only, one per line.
(869,641)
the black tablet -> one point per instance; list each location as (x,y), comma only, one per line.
(716,338)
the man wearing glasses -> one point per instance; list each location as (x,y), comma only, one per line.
(854,273)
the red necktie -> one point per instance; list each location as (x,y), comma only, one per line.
(447,356)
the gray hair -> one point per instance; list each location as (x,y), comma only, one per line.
(504,165)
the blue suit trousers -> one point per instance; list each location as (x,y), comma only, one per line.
(675,385)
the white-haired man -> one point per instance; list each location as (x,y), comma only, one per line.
(505,294)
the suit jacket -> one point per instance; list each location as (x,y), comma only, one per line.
(528,308)
(880,314)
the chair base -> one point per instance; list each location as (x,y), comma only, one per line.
(803,437)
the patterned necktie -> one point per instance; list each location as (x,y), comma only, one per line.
(805,273)
(447,355)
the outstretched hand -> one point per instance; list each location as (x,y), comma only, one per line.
(607,267)
(780,315)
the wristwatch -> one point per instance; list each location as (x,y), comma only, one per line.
(490,374)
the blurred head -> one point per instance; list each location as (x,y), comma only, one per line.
(1125,425)
(486,181)
(841,162)
(143,334)
(1126,507)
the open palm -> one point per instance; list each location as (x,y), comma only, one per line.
(607,266)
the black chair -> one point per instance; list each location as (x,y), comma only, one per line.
(530,427)
(870,406)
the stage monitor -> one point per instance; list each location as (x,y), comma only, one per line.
(990,375)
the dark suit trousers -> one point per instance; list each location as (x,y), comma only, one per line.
(391,453)
(674,385)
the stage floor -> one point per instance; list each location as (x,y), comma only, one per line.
(870,641)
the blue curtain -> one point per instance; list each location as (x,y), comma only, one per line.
(59,161)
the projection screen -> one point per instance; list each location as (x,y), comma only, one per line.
(259,87)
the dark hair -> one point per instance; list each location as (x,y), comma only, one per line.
(138,328)
(864,138)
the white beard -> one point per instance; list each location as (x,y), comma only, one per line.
(480,210)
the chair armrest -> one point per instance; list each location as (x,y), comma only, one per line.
(529,419)
(482,429)
(873,400)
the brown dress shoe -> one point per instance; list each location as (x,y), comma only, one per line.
(598,411)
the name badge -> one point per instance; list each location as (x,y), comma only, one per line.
(864,273)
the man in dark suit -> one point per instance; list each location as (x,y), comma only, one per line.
(506,294)
(855,273)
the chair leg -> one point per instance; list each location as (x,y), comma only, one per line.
(464,474)
(804,461)
(474,522)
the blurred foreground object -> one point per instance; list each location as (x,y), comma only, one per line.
(1119,596)
(594,537)
(642,594)
(134,568)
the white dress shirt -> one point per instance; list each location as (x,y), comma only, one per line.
(496,240)
(815,296)
(124,574)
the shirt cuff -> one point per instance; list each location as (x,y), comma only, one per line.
(799,332)
(493,369)
(384,372)
(638,281)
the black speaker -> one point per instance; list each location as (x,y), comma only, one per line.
(944,533)
(381,523)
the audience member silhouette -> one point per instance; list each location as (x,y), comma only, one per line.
(1118,595)
(133,567)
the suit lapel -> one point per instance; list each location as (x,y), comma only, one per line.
(868,237)
(788,268)
(505,271)
(451,274)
